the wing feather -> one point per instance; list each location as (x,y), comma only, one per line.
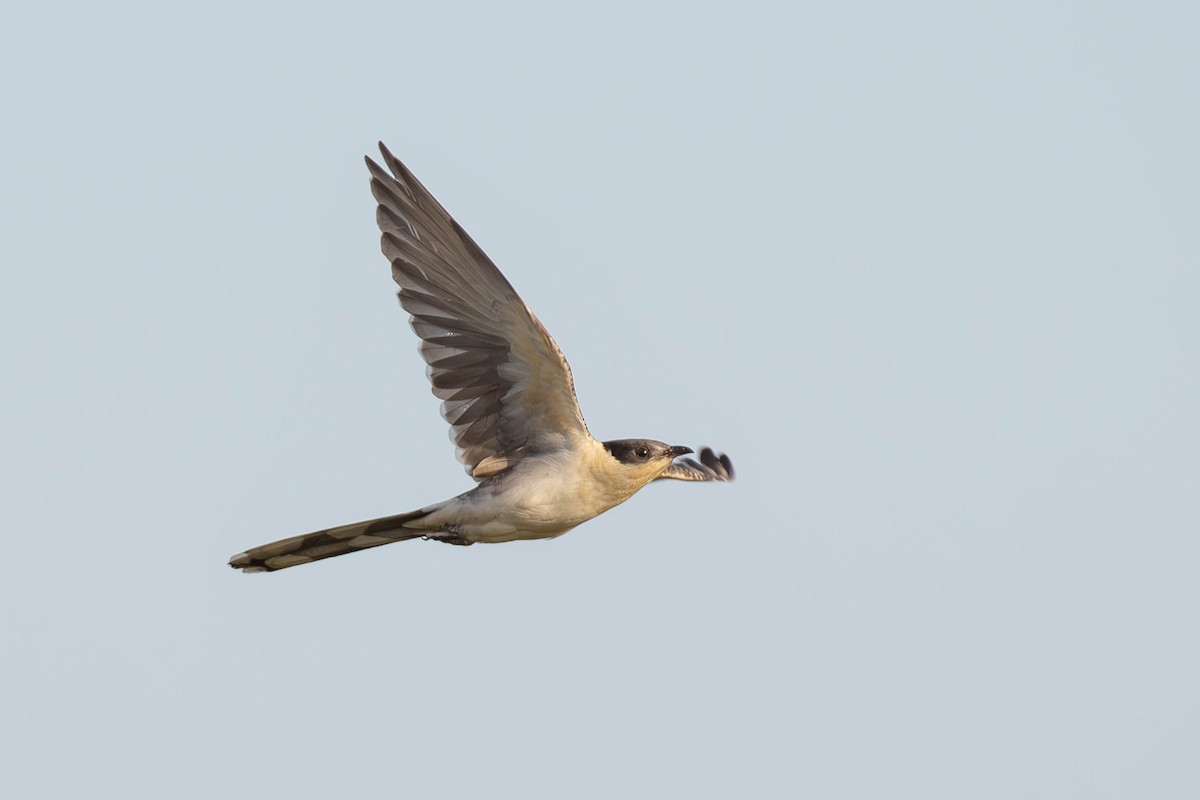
(711,467)
(505,387)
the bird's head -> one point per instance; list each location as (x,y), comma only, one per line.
(643,460)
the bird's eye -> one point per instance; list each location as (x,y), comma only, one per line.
(642,453)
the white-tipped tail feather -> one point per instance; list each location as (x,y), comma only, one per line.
(330,542)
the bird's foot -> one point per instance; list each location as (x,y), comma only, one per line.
(451,534)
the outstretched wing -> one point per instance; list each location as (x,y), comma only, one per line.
(711,467)
(505,387)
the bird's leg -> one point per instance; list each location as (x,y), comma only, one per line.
(451,534)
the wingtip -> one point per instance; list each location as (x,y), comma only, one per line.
(718,463)
(383,150)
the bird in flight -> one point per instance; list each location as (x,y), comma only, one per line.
(506,391)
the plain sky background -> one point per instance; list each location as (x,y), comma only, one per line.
(926,271)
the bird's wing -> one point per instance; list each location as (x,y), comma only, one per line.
(506,388)
(711,467)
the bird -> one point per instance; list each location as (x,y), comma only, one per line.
(507,393)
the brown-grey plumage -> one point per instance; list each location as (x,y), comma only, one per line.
(506,391)
(504,384)
(330,542)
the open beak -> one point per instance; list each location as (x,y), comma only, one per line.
(679,450)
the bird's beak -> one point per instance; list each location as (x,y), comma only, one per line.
(679,450)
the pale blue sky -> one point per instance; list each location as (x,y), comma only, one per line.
(927,271)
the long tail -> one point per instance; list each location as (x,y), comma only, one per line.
(329,543)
